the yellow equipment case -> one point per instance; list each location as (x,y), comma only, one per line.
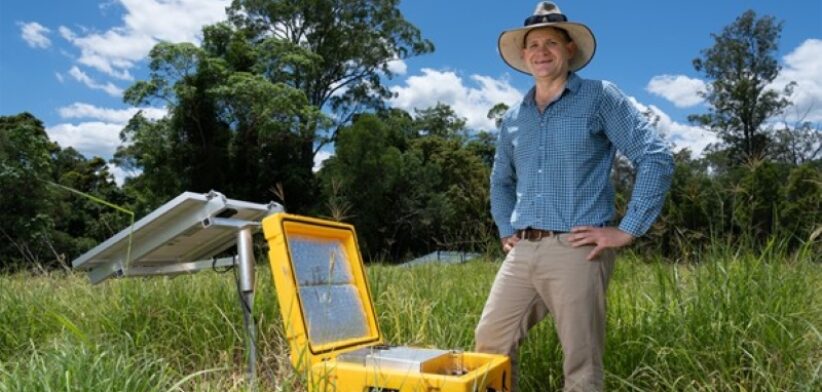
(331,325)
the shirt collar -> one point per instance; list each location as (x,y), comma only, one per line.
(571,85)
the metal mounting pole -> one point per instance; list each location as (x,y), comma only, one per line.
(245,253)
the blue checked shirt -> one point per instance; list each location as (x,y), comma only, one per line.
(552,170)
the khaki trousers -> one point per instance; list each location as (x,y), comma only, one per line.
(550,275)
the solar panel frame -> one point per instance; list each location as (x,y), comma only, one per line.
(177,237)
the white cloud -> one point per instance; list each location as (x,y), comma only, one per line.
(66,33)
(82,77)
(94,138)
(679,89)
(119,116)
(320,158)
(35,35)
(173,20)
(99,134)
(145,23)
(681,135)
(804,66)
(473,103)
(397,67)
(120,174)
(113,52)
(59,77)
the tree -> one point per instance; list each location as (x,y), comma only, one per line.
(25,165)
(43,222)
(336,52)
(800,210)
(693,210)
(409,185)
(79,222)
(798,144)
(483,145)
(147,146)
(497,112)
(756,198)
(188,149)
(439,120)
(257,99)
(365,174)
(741,65)
(451,196)
(268,121)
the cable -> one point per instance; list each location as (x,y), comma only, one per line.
(247,308)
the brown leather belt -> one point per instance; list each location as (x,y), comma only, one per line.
(537,234)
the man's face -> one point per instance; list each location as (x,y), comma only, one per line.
(547,53)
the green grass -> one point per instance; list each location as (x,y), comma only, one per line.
(734,321)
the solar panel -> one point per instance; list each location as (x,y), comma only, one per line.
(183,235)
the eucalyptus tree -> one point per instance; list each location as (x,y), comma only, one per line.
(741,67)
(251,107)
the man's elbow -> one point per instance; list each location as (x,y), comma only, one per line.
(661,157)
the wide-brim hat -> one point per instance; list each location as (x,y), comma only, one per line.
(547,14)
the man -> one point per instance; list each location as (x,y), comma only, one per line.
(552,199)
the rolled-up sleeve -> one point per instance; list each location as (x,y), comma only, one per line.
(503,184)
(634,136)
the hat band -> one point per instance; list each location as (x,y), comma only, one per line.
(549,18)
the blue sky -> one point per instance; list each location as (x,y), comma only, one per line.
(67,62)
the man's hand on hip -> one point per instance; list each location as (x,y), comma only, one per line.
(509,242)
(602,237)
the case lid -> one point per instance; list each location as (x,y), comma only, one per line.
(321,287)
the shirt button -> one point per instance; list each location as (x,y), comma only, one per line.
(539,171)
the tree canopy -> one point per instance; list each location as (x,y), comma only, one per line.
(741,66)
(251,107)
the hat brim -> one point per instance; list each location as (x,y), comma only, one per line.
(511,43)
